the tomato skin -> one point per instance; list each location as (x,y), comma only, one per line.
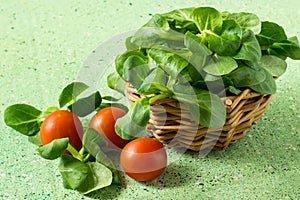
(62,124)
(143,159)
(104,123)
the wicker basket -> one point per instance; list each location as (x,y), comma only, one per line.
(171,123)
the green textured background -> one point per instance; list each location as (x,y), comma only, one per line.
(43,45)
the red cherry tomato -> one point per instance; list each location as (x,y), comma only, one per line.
(143,159)
(62,124)
(104,123)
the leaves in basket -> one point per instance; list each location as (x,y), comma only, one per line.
(247,21)
(219,52)
(228,42)
(120,60)
(135,70)
(207,18)
(156,32)
(199,52)
(268,86)
(181,20)
(275,66)
(245,76)
(270,33)
(155,82)
(170,62)
(115,82)
(250,49)
(206,108)
(286,48)
(133,124)
(220,65)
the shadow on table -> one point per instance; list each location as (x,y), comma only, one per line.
(109,192)
(175,175)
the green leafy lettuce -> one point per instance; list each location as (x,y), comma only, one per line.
(197,56)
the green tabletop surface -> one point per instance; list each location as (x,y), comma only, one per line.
(45,45)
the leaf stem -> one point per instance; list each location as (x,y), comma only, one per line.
(82,150)
(74,152)
(86,158)
(158,97)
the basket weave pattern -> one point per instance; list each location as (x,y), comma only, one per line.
(171,123)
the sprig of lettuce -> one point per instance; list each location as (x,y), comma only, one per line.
(211,53)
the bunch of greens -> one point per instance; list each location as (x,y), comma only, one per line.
(86,170)
(198,55)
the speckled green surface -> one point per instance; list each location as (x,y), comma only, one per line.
(43,45)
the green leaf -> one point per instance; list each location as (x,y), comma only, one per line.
(194,73)
(270,33)
(206,108)
(35,139)
(158,21)
(194,43)
(135,70)
(275,66)
(207,18)
(199,51)
(228,42)
(210,77)
(184,76)
(286,48)
(100,176)
(140,111)
(245,76)
(268,86)
(23,118)
(129,130)
(70,93)
(83,177)
(181,20)
(180,15)
(155,32)
(155,82)
(120,59)
(148,37)
(130,46)
(50,110)
(118,105)
(110,98)
(220,65)
(94,144)
(115,82)
(216,84)
(247,21)
(170,62)
(250,49)
(86,105)
(93,141)
(54,149)
(102,158)
(74,173)
(133,124)
(234,90)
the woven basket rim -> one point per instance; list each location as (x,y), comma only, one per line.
(229,101)
(241,113)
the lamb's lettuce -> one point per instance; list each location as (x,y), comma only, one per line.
(208,52)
